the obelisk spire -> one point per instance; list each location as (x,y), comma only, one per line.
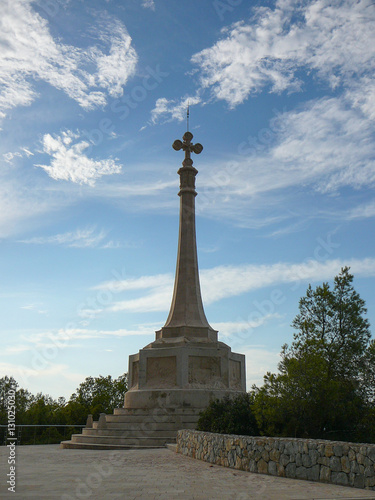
(186,317)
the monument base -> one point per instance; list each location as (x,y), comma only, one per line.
(171,381)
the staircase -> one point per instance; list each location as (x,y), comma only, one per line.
(134,428)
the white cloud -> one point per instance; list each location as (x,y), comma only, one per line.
(148,4)
(9,157)
(362,211)
(173,109)
(229,281)
(259,361)
(143,282)
(323,146)
(336,39)
(58,376)
(30,53)
(81,238)
(69,161)
(63,338)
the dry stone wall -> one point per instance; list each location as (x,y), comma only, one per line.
(345,464)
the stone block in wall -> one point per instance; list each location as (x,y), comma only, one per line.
(345,464)
(371,453)
(290,470)
(262,466)
(338,450)
(340,478)
(325,474)
(301,473)
(314,455)
(313,473)
(329,451)
(335,464)
(272,468)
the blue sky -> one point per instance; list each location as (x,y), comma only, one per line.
(93,94)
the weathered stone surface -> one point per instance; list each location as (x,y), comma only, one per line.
(306,459)
(360,458)
(371,453)
(359,481)
(369,472)
(340,478)
(335,464)
(345,464)
(369,482)
(329,450)
(301,473)
(313,473)
(338,450)
(262,466)
(314,455)
(290,470)
(284,459)
(325,474)
(272,468)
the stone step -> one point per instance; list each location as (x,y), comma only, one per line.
(150,426)
(98,446)
(127,441)
(159,411)
(149,418)
(126,432)
(154,416)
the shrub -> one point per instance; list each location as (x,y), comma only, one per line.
(229,416)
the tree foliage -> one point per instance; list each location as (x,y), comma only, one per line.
(324,387)
(229,416)
(95,395)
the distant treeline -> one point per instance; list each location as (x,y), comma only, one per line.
(95,395)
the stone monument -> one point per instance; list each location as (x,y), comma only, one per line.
(175,377)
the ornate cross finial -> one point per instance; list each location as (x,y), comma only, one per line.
(187,146)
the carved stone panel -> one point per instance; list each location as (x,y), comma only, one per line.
(234,374)
(204,370)
(161,372)
(135,374)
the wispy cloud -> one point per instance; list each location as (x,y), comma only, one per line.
(148,4)
(322,147)
(170,109)
(29,52)
(336,40)
(229,281)
(259,361)
(362,211)
(81,238)
(69,161)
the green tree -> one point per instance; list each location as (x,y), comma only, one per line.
(229,416)
(23,399)
(100,395)
(323,386)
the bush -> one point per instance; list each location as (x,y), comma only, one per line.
(229,416)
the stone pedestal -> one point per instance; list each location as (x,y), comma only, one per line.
(183,374)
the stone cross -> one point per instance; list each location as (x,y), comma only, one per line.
(187,146)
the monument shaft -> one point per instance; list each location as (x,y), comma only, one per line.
(186,316)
